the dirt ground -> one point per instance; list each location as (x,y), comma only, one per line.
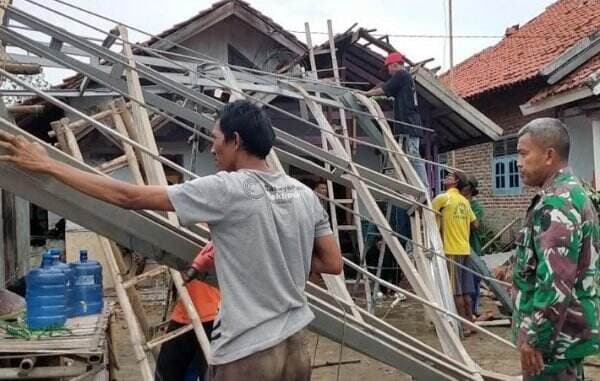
(407,315)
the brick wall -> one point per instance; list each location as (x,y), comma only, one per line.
(503,108)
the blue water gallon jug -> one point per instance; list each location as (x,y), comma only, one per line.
(69,273)
(87,286)
(46,296)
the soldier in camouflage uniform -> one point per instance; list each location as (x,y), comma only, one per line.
(556,274)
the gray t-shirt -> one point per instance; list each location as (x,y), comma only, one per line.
(263,226)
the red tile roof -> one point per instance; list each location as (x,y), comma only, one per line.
(576,79)
(521,54)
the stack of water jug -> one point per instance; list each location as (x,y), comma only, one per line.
(57,291)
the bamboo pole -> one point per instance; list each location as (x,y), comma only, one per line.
(21,68)
(82,123)
(499,234)
(129,153)
(156,176)
(130,126)
(113,164)
(145,136)
(134,296)
(73,149)
(57,127)
(448,338)
(18,110)
(135,331)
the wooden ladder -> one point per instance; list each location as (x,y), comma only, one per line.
(352,219)
(131,121)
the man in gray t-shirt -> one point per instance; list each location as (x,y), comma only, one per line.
(263,226)
(269,232)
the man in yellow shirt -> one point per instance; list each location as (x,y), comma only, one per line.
(455,223)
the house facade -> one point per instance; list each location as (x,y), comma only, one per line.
(549,67)
(233,32)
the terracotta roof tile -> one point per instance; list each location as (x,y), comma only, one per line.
(519,56)
(576,79)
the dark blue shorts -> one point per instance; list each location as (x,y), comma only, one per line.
(461,279)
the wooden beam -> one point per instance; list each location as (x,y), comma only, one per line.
(129,153)
(129,124)
(379,43)
(152,168)
(156,176)
(60,136)
(357,70)
(135,331)
(71,141)
(3,4)
(428,82)
(553,101)
(19,110)
(439,112)
(425,61)
(21,68)
(462,126)
(4,222)
(113,164)
(79,125)
(111,251)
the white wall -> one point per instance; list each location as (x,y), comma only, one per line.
(213,41)
(582,146)
(205,164)
(596,144)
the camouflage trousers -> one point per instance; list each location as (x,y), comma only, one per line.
(560,370)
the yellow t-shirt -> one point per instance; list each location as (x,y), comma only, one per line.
(455,221)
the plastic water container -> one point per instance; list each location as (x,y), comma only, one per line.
(69,273)
(87,286)
(46,296)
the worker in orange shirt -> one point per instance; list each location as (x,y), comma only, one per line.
(181,359)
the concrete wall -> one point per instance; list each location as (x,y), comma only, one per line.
(503,108)
(213,41)
(499,209)
(205,164)
(596,143)
(582,146)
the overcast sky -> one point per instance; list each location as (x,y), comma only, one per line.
(394,17)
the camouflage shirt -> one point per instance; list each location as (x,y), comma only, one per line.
(556,275)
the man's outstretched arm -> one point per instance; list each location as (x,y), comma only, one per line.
(33,157)
(376,91)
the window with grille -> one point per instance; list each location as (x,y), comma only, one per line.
(505,173)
